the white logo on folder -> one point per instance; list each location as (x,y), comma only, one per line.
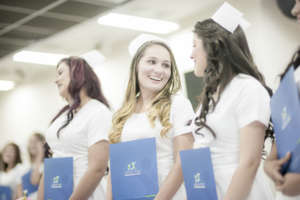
(132,170)
(285,117)
(56,183)
(198,184)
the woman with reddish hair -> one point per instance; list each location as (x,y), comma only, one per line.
(80,129)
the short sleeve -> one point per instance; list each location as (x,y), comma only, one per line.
(181,113)
(253,104)
(99,125)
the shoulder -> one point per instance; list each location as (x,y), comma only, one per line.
(97,107)
(179,99)
(243,83)
(181,105)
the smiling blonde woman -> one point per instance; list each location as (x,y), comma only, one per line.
(153,108)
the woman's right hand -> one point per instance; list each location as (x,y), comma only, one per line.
(273,166)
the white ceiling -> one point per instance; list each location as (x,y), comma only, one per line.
(89,35)
(113,42)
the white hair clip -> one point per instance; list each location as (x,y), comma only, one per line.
(137,42)
(230,18)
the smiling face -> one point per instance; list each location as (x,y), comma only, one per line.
(199,56)
(296,10)
(63,79)
(154,69)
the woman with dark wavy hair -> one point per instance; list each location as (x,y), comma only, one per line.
(233,111)
(81,128)
(11,167)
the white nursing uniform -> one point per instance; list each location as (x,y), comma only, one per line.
(243,101)
(90,125)
(138,126)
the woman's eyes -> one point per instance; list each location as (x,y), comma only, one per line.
(166,65)
(151,61)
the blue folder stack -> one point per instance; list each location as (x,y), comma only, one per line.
(285,106)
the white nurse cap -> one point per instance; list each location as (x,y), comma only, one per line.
(137,42)
(229,18)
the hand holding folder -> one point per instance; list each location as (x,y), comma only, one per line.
(134,170)
(285,106)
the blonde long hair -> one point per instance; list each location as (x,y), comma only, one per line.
(161,105)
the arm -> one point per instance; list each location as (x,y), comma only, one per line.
(40,194)
(175,178)
(19,191)
(272,165)
(251,145)
(291,184)
(109,188)
(97,164)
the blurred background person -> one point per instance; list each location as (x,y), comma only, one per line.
(36,153)
(12,170)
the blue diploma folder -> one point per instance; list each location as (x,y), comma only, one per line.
(285,106)
(198,174)
(5,193)
(133,168)
(58,178)
(27,185)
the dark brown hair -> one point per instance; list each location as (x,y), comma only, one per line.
(1,163)
(228,55)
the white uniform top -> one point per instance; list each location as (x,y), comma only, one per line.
(138,126)
(90,125)
(280,196)
(243,101)
(11,178)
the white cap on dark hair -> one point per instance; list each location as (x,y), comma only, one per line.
(230,18)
